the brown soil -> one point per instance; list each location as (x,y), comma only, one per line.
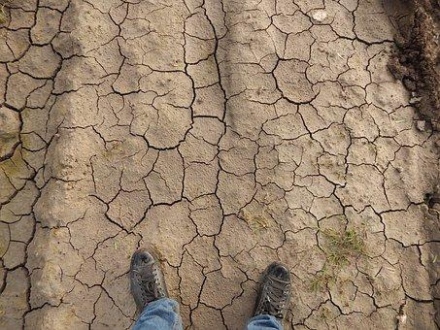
(418,62)
(227,134)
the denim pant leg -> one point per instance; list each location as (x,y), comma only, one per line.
(264,322)
(161,314)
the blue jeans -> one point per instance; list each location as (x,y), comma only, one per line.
(163,314)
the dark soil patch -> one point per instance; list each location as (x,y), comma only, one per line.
(417,62)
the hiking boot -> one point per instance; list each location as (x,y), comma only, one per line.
(275,293)
(146,278)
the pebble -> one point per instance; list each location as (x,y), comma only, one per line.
(319,15)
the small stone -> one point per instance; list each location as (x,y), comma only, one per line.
(421,125)
(414,100)
(319,16)
(401,319)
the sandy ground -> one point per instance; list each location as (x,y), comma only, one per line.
(228,134)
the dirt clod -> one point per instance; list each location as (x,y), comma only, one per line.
(417,60)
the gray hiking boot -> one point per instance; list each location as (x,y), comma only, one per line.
(146,278)
(275,292)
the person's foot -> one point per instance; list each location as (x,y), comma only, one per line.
(275,292)
(146,278)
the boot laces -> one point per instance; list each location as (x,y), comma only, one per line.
(147,275)
(275,299)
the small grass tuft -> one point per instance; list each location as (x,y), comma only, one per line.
(321,280)
(343,245)
(3,18)
(256,222)
(340,247)
(2,15)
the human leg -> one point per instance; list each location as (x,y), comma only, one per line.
(264,322)
(151,295)
(160,314)
(273,300)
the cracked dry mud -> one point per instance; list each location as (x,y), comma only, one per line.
(227,133)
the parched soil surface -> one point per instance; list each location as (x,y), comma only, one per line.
(228,134)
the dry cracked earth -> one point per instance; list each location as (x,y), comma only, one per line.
(228,134)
